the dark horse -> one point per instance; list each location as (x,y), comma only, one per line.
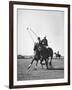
(42,53)
(58,55)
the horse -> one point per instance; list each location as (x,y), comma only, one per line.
(58,55)
(45,54)
(42,53)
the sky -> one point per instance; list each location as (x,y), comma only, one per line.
(49,23)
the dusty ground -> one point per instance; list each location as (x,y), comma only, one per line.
(24,74)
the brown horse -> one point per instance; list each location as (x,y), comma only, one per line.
(45,54)
(42,53)
(57,55)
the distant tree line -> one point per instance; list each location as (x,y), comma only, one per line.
(23,57)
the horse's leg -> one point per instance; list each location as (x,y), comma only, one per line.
(59,57)
(36,64)
(46,60)
(50,63)
(31,63)
(41,60)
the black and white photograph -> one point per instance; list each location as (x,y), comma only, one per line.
(40,44)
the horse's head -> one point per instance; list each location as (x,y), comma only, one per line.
(40,47)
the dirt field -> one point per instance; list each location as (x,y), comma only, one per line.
(24,74)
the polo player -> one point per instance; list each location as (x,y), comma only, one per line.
(39,41)
(45,42)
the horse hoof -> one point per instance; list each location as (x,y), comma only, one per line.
(51,67)
(47,68)
(42,68)
(35,68)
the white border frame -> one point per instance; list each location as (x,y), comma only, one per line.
(32,82)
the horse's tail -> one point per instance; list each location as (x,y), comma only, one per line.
(50,51)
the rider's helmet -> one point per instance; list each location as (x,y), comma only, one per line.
(44,37)
(38,38)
